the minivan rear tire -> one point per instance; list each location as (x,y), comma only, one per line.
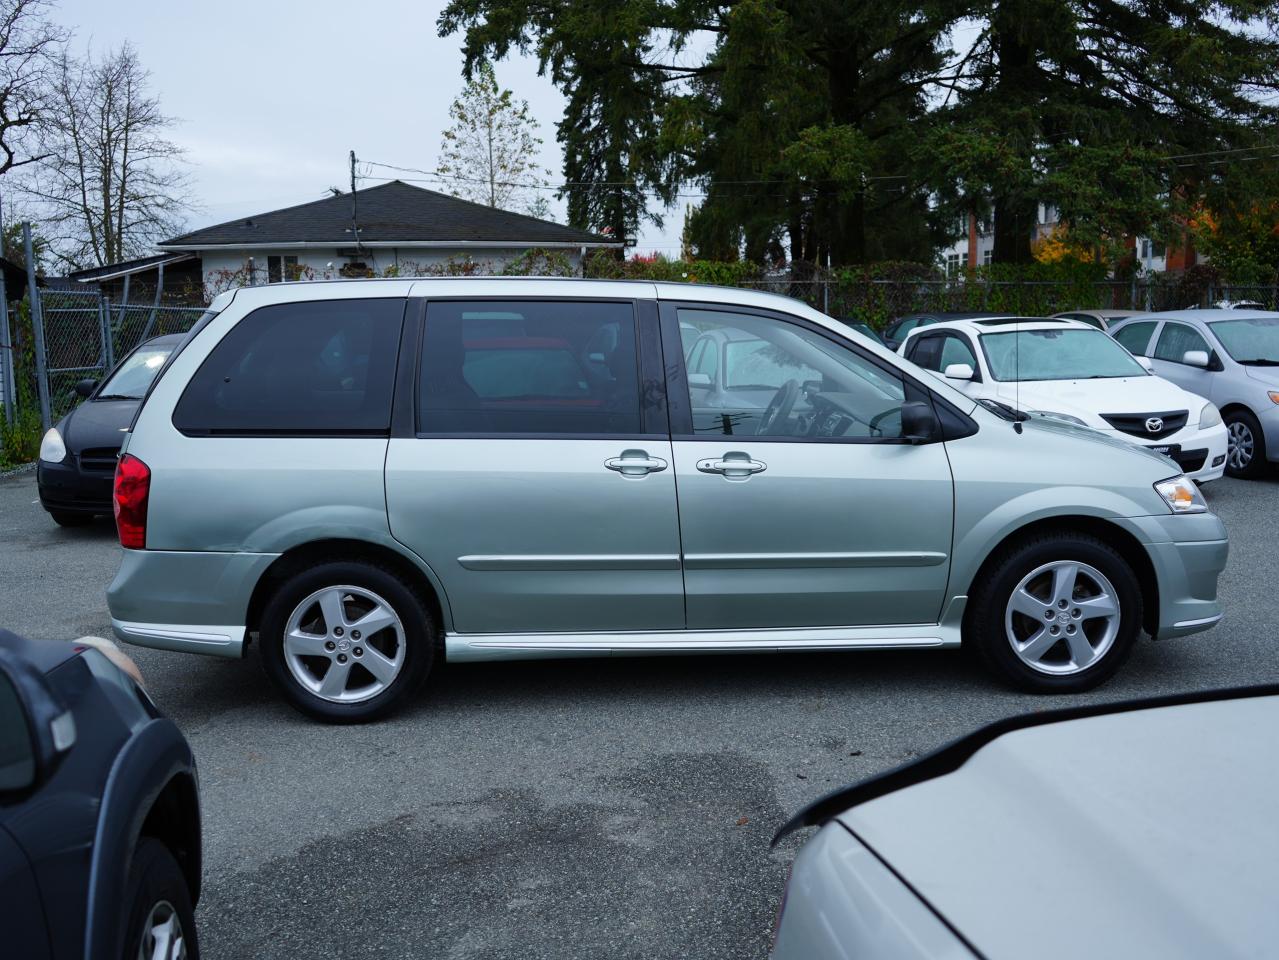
(1034,563)
(420,637)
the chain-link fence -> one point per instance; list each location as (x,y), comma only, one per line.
(876,302)
(83,335)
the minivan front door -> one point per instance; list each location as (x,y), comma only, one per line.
(538,481)
(808,509)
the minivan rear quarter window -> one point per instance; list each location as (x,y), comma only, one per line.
(318,367)
(529,367)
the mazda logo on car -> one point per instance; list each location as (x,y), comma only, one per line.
(1154,425)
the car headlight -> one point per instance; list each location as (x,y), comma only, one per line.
(52,449)
(1054,415)
(1181,495)
(1209,416)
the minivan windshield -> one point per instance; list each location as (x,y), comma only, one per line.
(134,376)
(1024,355)
(1250,340)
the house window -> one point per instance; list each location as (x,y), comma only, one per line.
(281,268)
(953,262)
(988,257)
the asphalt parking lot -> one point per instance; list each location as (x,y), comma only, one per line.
(615,808)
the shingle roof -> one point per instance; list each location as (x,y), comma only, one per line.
(388,213)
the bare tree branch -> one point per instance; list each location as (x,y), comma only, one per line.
(110,181)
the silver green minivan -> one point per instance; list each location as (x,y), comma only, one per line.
(367,477)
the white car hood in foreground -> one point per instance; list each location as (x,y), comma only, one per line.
(1088,399)
(1152,833)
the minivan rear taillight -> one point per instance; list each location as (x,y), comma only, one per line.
(132,486)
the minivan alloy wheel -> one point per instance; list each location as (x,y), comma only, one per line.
(1242,445)
(344,643)
(1062,617)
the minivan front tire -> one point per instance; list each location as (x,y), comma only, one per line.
(347,641)
(1057,613)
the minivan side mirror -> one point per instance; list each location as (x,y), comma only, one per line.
(1195,358)
(959,371)
(1146,364)
(919,422)
(36,728)
(702,380)
(85,387)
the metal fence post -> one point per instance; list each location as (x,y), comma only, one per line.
(104,328)
(37,326)
(8,387)
(155,305)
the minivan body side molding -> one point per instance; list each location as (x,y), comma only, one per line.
(528,646)
(770,561)
(568,561)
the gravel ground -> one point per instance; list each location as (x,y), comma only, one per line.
(562,809)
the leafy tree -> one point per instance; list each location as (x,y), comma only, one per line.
(597,53)
(1082,102)
(490,152)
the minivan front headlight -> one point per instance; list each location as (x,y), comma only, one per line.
(1181,495)
(52,449)
(1209,416)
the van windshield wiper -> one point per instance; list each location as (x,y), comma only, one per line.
(1260,362)
(116,396)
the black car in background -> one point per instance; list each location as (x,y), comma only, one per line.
(77,456)
(99,809)
(863,328)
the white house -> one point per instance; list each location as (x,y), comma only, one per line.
(976,246)
(391,228)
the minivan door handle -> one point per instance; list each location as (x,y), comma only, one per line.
(734,465)
(635,463)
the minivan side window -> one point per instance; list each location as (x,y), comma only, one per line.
(783,381)
(529,367)
(1135,337)
(1176,340)
(323,367)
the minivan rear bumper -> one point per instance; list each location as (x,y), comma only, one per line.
(192,602)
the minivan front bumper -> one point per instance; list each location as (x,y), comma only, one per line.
(1188,553)
(191,602)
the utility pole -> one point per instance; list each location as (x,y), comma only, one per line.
(355,207)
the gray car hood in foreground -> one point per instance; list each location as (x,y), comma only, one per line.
(1152,833)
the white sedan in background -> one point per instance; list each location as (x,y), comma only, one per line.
(1073,372)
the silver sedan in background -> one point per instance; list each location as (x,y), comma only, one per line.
(1124,830)
(1231,357)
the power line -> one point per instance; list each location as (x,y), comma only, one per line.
(591,184)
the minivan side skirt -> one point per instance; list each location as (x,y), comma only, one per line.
(529,646)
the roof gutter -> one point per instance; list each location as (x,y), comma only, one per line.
(393,244)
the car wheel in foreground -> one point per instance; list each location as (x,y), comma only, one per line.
(64,519)
(1057,614)
(346,641)
(161,921)
(1245,455)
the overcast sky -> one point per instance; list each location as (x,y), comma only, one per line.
(271,95)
